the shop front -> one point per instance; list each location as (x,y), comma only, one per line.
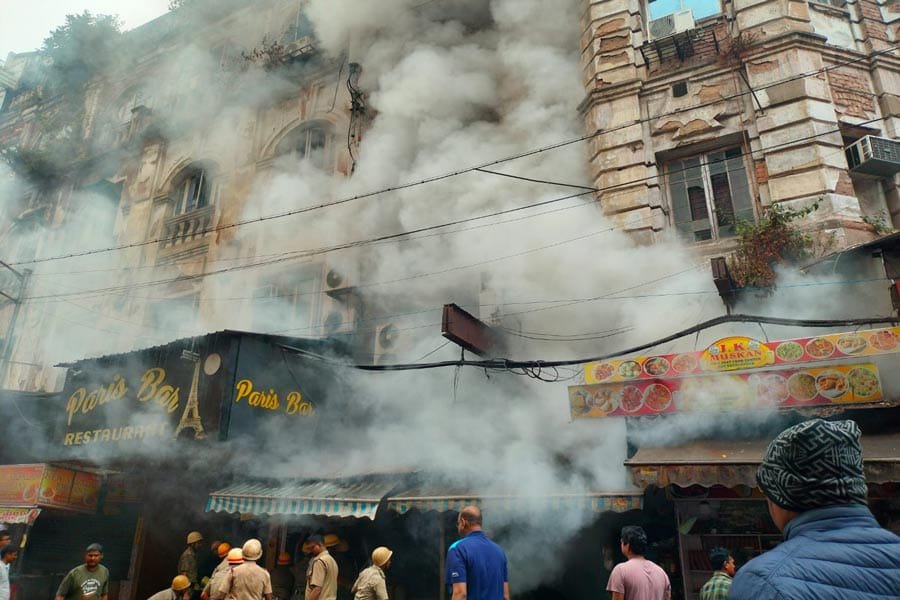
(739,393)
(413,516)
(162,426)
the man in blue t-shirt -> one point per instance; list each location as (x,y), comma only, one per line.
(476,566)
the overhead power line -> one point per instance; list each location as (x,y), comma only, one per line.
(508,364)
(462,171)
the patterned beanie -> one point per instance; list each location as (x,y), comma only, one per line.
(814,464)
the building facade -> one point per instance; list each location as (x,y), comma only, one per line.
(703,113)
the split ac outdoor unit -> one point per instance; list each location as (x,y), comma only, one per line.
(669,25)
(386,337)
(338,303)
(874,157)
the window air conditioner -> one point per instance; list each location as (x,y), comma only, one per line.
(669,25)
(874,157)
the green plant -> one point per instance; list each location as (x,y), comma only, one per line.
(774,239)
(878,223)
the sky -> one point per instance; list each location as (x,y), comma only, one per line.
(25,23)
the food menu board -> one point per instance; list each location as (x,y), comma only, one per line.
(785,388)
(740,353)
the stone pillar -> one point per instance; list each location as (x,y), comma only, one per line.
(629,195)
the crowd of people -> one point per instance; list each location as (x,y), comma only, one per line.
(812,477)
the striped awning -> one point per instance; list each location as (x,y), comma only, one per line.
(596,503)
(333,498)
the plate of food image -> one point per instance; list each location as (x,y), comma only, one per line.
(657,397)
(863,382)
(631,399)
(852,343)
(629,369)
(656,366)
(772,389)
(819,348)
(685,363)
(603,371)
(789,351)
(884,340)
(832,384)
(802,386)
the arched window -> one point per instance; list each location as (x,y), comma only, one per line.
(191,190)
(313,142)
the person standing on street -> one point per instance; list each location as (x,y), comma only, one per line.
(187,563)
(234,559)
(282,578)
(371,583)
(322,572)
(89,581)
(812,477)
(180,590)
(477,568)
(8,555)
(224,550)
(637,578)
(718,585)
(248,581)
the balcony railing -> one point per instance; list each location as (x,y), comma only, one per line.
(186,227)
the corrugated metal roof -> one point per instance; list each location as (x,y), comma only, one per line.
(337,498)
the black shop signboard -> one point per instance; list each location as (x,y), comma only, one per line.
(213,387)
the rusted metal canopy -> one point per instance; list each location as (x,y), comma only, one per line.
(732,463)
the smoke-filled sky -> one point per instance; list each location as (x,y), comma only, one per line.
(24,25)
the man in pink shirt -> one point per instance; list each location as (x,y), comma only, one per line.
(637,578)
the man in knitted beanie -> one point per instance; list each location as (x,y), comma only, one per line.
(812,476)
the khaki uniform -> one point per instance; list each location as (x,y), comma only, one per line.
(187,565)
(168,594)
(218,573)
(322,572)
(248,581)
(370,585)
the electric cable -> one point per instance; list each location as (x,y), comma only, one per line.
(507,364)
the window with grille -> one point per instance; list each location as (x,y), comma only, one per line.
(193,191)
(708,194)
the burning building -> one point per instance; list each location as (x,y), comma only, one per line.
(260,199)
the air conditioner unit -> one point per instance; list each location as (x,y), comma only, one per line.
(339,304)
(385,345)
(669,25)
(874,157)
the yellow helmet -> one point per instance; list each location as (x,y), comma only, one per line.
(331,540)
(194,536)
(252,549)
(381,555)
(180,583)
(235,556)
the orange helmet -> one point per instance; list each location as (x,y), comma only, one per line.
(284,558)
(222,549)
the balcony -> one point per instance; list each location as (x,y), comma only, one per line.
(185,235)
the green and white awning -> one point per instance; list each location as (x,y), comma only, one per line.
(330,498)
(440,500)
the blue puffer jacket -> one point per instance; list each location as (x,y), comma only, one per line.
(837,552)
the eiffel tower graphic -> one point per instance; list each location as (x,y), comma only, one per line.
(190,418)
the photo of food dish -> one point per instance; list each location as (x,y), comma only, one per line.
(629,369)
(685,363)
(603,371)
(631,399)
(772,389)
(789,351)
(819,348)
(656,366)
(884,340)
(802,386)
(657,397)
(852,343)
(832,384)
(863,382)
